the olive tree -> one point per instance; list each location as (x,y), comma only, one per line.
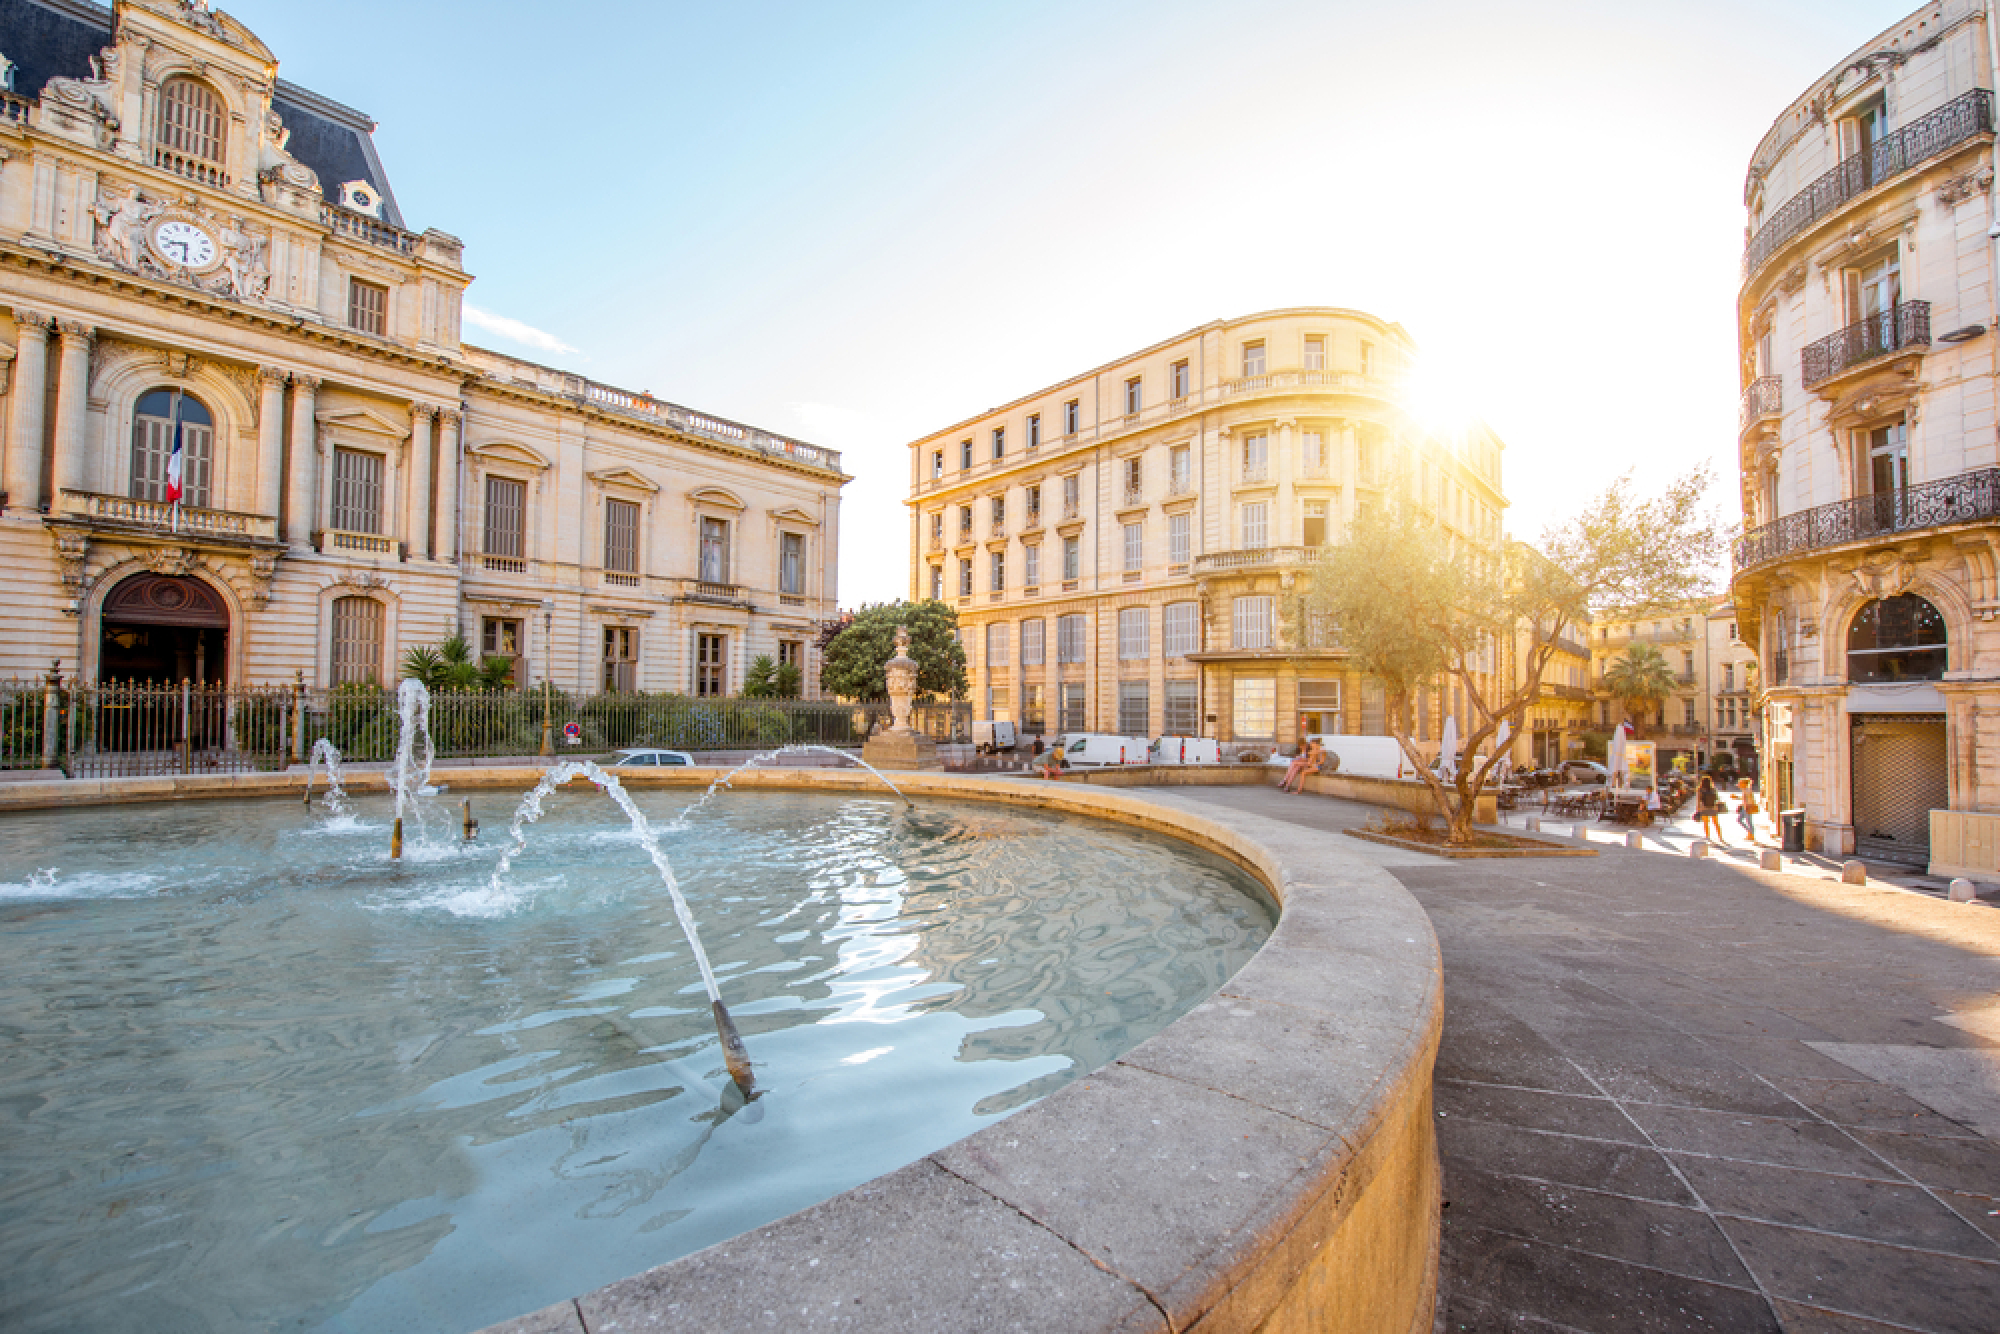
(1415,605)
(855,659)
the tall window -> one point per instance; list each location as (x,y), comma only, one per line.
(1032,716)
(1180,470)
(792,653)
(1315,523)
(1134,634)
(1254,524)
(1255,702)
(357,641)
(998,562)
(1256,457)
(1135,713)
(1312,453)
(1178,377)
(791,563)
(1031,565)
(621,658)
(1183,629)
(161,415)
(1253,358)
(1031,643)
(506,499)
(357,491)
(1183,709)
(193,121)
(937,583)
(1072,416)
(1133,399)
(1069,638)
(710,656)
(1315,352)
(1072,557)
(500,637)
(999,442)
(996,644)
(1034,430)
(999,512)
(367,307)
(1071,719)
(714,551)
(1729,676)
(1368,358)
(964,455)
(1135,547)
(1888,462)
(1072,495)
(1135,478)
(1250,623)
(621,536)
(965,576)
(937,464)
(1180,538)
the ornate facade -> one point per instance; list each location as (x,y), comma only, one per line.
(1870,470)
(197,256)
(1127,549)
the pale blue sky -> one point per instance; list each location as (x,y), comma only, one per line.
(861,223)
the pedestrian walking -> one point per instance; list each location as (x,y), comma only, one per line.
(1747,808)
(1708,809)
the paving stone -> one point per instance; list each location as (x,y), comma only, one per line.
(1883,1211)
(1660,1236)
(558,1319)
(1982,1211)
(1623,1169)
(1775,1056)
(1971,1167)
(1919,1289)
(1500,1049)
(1852,1102)
(1533,1109)
(1800,1319)
(1812,1145)
(1586,1292)
(1683,1076)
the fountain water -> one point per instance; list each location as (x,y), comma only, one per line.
(326,754)
(795,748)
(409,775)
(530,810)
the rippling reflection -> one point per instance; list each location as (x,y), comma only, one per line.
(253,1074)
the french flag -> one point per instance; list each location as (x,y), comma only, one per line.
(174,465)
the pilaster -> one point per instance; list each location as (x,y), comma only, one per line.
(72,402)
(301,505)
(419,523)
(26,424)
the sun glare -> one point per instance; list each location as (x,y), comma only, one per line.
(1433,396)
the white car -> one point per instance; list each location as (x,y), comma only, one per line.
(653,759)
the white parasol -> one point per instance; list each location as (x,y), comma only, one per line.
(1505,769)
(1614,758)
(1448,751)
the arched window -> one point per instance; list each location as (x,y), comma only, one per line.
(1897,639)
(357,641)
(192,120)
(163,417)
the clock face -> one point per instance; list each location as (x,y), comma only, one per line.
(185,245)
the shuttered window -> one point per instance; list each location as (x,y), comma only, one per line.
(621,536)
(506,499)
(357,641)
(1031,643)
(357,491)
(153,447)
(192,120)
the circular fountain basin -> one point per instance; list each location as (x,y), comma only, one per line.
(256,1074)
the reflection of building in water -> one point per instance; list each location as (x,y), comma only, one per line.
(1871,499)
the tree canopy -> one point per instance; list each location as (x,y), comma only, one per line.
(855,659)
(1639,677)
(1414,605)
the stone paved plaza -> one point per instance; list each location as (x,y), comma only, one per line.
(1686,1095)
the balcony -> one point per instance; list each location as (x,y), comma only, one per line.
(369,231)
(1763,398)
(119,515)
(1069,511)
(360,544)
(1959,120)
(1253,558)
(1908,325)
(710,590)
(199,170)
(1254,384)
(1032,520)
(1970,497)
(1134,497)
(487,560)
(1180,484)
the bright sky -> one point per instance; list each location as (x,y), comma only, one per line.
(861,223)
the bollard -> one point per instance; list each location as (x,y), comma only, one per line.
(1770,859)
(1634,839)
(1698,849)
(1962,891)
(1534,825)
(1853,873)
(396,840)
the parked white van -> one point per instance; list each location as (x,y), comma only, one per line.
(993,734)
(1097,750)
(1366,756)
(1186,750)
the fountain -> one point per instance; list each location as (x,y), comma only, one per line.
(327,755)
(902,746)
(410,776)
(759,760)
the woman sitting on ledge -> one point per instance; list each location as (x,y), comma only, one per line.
(1308,762)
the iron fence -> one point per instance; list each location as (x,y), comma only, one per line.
(137,729)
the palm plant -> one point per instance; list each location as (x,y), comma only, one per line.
(1640,680)
(450,665)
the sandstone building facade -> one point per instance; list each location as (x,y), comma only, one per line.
(1126,548)
(1870,468)
(195,252)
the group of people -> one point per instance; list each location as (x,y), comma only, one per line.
(1310,760)
(1708,809)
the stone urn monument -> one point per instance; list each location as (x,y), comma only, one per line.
(901,746)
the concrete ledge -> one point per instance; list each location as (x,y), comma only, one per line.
(1267,1162)
(1546,848)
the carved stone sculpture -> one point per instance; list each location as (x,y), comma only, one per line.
(902,746)
(121,228)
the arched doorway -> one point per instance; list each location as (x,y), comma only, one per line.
(162,629)
(1896,757)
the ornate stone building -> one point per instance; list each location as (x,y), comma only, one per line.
(195,254)
(1871,494)
(1126,548)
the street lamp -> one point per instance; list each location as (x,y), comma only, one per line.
(548,685)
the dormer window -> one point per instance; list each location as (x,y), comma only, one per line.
(192,121)
(367,307)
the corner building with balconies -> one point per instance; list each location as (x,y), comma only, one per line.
(1870,485)
(194,252)
(1127,549)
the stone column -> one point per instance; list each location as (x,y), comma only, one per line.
(72,461)
(447,485)
(419,522)
(270,440)
(1285,530)
(301,509)
(24,427)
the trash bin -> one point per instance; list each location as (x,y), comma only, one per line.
(1792,830)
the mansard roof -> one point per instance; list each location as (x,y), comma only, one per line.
(56,38)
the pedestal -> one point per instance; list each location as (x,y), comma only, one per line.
(901,750)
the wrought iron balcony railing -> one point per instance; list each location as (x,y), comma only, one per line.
(1763,397)
(1966,498)
(1950,125)
(1906,325)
